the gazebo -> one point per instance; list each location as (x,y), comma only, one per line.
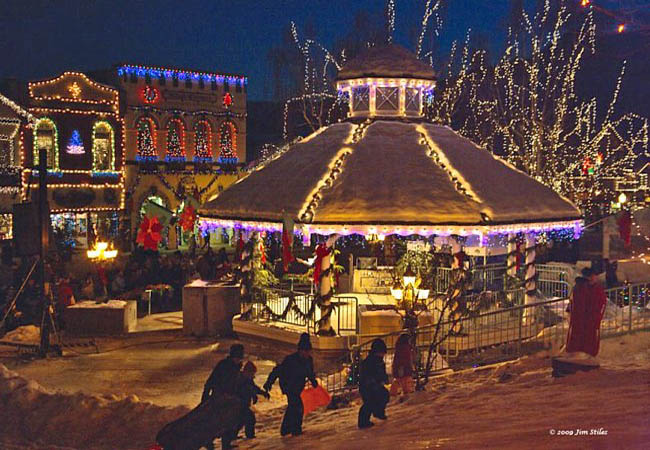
(387,170)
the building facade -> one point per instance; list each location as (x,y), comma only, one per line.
(184,135)
(14,121)
(78,122)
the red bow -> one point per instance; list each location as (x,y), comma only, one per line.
(321,251)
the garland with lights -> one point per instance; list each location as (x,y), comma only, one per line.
(53,150)
(14,127)
(146,145)
(175,141)
(103,156)
(203,142)
(228,142)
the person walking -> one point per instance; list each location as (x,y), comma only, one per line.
(248,391)
(372,379)
(223,380)
(293,372)
(402,367)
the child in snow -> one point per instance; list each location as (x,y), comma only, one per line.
(402,367)
(372,379)
(248,391)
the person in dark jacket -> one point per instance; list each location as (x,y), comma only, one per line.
(293,372)
(248,391)
(223,380)
(372,379)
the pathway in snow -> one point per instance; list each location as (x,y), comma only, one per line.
(512,405)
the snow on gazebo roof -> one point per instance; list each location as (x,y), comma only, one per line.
(390,177)
(390,60)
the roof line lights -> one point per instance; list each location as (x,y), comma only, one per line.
(160,72)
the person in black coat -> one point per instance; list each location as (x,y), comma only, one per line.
(293,372)
(372,379)
(248,391)
(223,380)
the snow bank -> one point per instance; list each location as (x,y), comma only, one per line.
(89,304)
(27,334)
(32,413)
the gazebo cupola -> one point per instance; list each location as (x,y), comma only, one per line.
(386,81)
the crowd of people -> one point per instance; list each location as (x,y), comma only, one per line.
(231,378)
(126,277)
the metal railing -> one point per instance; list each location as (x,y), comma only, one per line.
(553,280)
(484,278)
(501,335)
(344,317)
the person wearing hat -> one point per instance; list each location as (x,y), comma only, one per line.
(223,380)
(587,307)
(293,372)
(248,391)
(372,378)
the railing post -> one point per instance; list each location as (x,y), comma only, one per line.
(629,304)
(521,320)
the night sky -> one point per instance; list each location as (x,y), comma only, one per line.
(41,38)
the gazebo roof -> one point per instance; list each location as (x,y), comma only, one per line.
(391,61)
(391,177)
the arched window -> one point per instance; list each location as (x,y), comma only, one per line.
(228,142)
(103,147)
(146,141)
(46,136)
(175,141)
(203,141)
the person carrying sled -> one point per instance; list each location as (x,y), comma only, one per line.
(372,378)
(293,372)
(223,380)
(248,391)
(402,366)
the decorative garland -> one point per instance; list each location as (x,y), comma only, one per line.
(187,113)
(531,274)
(320,299)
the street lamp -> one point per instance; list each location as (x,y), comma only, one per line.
(407,290)
(101,252)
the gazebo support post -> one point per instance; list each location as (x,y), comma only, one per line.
(511,262)
(456,252)
(531,278)
(249,261)
(325,291)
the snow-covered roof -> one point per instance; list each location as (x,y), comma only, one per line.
(418,176)
(391,61)
(17,109)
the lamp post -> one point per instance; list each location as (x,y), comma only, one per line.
(99,254)
(407,293)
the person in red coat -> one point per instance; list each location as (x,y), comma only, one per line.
(595,311)
(402,366)
(588,302)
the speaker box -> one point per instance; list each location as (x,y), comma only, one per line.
(25,229)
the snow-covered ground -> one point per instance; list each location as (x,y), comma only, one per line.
(511,405)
